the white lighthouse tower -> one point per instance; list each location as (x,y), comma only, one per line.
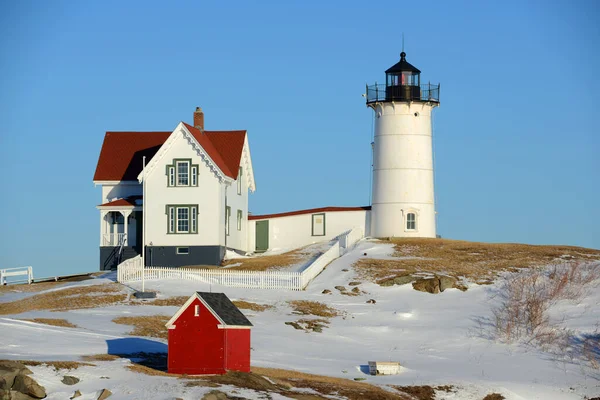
(403,201)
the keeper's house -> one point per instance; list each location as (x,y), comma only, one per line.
(196,195)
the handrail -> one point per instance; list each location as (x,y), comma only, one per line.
(122,244)
(381,92)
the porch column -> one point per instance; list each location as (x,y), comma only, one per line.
(126,214)
(102,226)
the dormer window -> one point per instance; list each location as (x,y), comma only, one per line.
(182,173)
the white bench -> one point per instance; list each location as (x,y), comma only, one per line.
(23,271)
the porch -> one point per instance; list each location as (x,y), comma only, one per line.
(121,228)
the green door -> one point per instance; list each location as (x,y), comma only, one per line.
(262,236)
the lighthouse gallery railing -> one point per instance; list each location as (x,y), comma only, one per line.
(381,92)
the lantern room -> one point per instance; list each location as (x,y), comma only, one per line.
(403,83)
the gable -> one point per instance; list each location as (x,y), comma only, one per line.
(122,152)
(219,305)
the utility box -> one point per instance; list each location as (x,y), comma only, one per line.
(384,368)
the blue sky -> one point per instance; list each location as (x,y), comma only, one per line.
(516,137)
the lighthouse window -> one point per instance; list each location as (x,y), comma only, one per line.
(411,221)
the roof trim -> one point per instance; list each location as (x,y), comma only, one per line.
(170,324)
(201,151)
(308,211)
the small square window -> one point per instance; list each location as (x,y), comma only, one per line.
(183,250)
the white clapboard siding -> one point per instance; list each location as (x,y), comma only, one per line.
(131,270)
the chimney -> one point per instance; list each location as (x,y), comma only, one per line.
(199,119)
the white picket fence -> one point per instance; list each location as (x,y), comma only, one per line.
(131,270)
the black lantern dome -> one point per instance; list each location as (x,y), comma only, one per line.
(403,83)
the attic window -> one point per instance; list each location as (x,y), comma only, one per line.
(182,173)
(196,310)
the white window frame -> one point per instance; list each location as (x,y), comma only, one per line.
(187,164)
(183,251)
(227,220)
(197,310)
(194,176)
(239,181)
(171,176)
(194,219)
(187,209)
(171,219)
(239,220)
(407,213)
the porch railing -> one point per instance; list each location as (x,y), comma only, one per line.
(114,239)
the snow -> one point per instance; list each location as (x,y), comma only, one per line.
(437,339)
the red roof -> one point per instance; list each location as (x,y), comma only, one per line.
(126,202)
(309,211)
(121,155)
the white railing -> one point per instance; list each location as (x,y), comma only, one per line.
(131,270)
(9,272)
(113,239)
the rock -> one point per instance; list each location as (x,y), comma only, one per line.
(318,329)
(399,280)
(447,282)
(215,395)
(340,288)
(104,394)
(429,285)
(404,279)
(356,290)
(364,254)
(371,301)
(76,394)
(294,324)
(345,270)
(19,396)
(326,291)
(70,380)
(10,369)
(28,386)
(354,283)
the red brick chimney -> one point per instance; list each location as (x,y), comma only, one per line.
(199,119)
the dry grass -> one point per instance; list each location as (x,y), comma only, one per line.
(309,325)
(307,307)
(327,385)
(57,365)
(52,321)
(525,299)
(100,357)
(263,263)
(494,396)
(151,326)
(142,369)
(68,299)
(474,260)
(247,305)
(177,301)
(38,287)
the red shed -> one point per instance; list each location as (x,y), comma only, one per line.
(208,335)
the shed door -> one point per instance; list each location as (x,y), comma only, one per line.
(262,235)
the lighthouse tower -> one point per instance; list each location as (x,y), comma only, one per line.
(403,200)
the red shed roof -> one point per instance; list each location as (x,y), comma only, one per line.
(309,211)
(122,152)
